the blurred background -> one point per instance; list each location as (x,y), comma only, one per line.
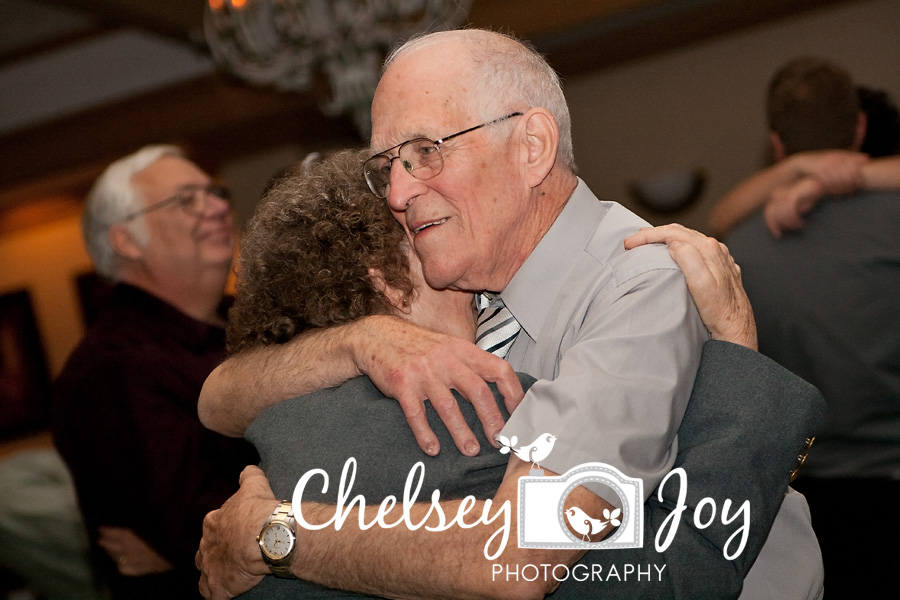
(667,102)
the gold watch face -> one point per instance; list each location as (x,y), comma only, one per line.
(276,540)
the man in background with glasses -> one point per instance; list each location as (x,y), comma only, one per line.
(146,471)
(473,154)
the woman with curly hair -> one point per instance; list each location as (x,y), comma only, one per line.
(321,250)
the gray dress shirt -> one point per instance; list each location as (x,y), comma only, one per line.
(614,339)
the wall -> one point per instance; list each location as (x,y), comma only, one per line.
(703,106)
(249,176)
(45,259)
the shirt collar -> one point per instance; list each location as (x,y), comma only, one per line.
(538,282)
(188,331)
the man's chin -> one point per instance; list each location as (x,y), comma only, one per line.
(441,276)
(221,258)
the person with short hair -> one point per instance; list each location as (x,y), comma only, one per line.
(826,298)
(146,471)
(812,104)
(817,128)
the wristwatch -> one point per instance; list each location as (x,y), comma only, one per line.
(277,540)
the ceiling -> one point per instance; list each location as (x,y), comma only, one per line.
(85,81)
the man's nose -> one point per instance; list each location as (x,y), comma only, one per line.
(214,205)
(403,187)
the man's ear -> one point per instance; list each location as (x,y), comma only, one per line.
(859,135)
(777,146)
(541,144)
(393,295)
(123,242)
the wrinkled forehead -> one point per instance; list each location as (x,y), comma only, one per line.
(425,94)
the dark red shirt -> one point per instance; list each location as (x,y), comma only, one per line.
(125,421)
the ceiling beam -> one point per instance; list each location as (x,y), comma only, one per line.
(213,117)
(179,19)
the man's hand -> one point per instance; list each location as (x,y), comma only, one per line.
(838,171)
(132,555)
(785,209)
(713,279)
(229,557)
(404,361)
(412,364)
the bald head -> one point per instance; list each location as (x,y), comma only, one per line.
(486,73)
(481,128)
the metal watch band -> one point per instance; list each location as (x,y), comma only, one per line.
(284,514)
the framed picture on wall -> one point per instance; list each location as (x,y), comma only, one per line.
(24,376)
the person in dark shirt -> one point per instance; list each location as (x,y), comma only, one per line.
(826,299)
(146,471)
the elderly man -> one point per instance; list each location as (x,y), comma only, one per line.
(613,336)
(146,471)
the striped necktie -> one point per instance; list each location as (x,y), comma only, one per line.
(497,328)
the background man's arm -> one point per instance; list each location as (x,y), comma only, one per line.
(838,171)
(132,555)
(787,205)
(882,174)
(405,362)
(439,564)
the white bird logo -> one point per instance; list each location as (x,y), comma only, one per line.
(534,453)
(586,526)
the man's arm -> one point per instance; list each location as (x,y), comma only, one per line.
(132,555)
(406,362)
(435,564)
(882,174)
(787,205)
(838,171)
(239,389)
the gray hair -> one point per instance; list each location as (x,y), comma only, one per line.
(112,198)
(510,75)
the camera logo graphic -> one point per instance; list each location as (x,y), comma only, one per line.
(543,516)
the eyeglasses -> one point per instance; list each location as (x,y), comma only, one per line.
(191,198)
(420,157)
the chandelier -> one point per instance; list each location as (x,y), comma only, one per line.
(284,43)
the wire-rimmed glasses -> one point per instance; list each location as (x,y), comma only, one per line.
(191,198)
(421,157)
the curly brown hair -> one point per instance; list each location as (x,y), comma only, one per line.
(307,252)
